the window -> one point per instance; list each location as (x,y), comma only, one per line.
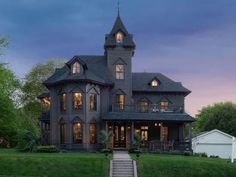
(144,133)
(164,105)
(119,38)
(121,101)
(120,71)
(154,83)
(76,68)
(62,133)
(144,106)
(77,100)
(93,102)
(164,134)
(46,103)
(77,133)
(63,101)
(92,133)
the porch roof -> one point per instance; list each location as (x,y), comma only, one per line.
(183,117)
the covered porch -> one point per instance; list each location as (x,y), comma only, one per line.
(156,133)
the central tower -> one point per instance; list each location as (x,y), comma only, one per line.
(119,50)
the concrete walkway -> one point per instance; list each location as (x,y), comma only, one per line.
(122,165)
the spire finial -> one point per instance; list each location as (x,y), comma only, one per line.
(118,7)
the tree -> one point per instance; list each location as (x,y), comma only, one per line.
(33,86)
(8,85)
(3,43)
(220,116)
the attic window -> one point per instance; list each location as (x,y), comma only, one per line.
(119,38)
(76,68)
(154,83)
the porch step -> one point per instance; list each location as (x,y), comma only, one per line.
(122,165)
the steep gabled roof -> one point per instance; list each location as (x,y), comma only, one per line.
(110,40)
(141,83)
(97,71)
(119,26)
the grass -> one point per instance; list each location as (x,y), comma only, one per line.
(154,165)
(71,164)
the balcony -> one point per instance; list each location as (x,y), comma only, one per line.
(152,108)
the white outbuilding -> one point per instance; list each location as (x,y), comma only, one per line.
(215,142)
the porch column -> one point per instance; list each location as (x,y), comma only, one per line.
(132,134)
(181,132)
(190,135)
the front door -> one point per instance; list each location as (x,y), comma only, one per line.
(119,135)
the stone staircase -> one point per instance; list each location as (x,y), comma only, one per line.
(122,165)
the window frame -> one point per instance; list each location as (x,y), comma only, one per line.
(76,68)
(154,83)
(119,37)
(80,107)
(94,107)
(164,105)
(93,131)
(80,133)
(63,101)
(120,103)
(120,73)
(62,133)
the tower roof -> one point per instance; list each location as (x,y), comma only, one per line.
(118,26)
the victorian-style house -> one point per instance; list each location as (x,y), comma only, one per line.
(93,93)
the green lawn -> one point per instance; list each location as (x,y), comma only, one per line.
(17,164)
(153,165)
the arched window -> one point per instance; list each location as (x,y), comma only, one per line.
(154,83)
(119,37)
(77,133)
(63,101)
(92,133)
(62,133)
(77,100)
(76,68)
(120,99)
(93,102)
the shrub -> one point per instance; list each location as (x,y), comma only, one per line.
(214,156)
(200,154)
(47,149)
(26,141)
(187,153)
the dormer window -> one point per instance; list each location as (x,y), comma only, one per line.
(119,38)
(154,83)
(76,68)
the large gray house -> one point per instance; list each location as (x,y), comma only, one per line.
(93,93)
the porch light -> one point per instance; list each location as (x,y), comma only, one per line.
(160,124)
(110,127)
(128,127)
(155,124)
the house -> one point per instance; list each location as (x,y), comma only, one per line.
(93,93)
(216,143)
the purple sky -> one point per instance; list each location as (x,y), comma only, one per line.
(192,41)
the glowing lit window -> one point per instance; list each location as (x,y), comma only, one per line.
(121,101)
(63,102)
(154,83)
(119,37)
(93,102)
(76,68)
(164,105)
(92,133)
(77,100)
(143,106)
(120,72)
(77,132)
(144,133)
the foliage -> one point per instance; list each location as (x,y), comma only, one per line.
(137,141)
(71,164)
(200,154)
(8,85)
(105,138)
(28,132)
(49,149)
(33,86)
(3,43)
(220,116)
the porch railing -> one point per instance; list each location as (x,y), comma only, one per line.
(166,146)
(152,108)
